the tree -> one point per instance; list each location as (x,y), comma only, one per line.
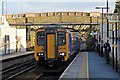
(117,7)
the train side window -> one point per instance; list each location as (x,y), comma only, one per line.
(61,38)
(40,38)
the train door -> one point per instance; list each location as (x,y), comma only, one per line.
(50,45)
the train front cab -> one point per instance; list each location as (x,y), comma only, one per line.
(51,46)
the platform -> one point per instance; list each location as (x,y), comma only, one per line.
(78,68)
(10,60)
(12,55)
(89,65)
(99,69)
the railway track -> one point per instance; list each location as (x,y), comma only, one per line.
(38,77)
(35,72)
(53,75)
(49,76)
(31,74)
(18,69)
(38,73)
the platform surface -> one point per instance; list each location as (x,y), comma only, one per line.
(12,55)
(99,69)
(78,67)
(89,65)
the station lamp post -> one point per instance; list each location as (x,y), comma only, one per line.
(101,29)
(116,41)
(107,23)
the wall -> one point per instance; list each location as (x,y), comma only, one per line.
(95,14)
(10,45)
(11,33)
(21,37)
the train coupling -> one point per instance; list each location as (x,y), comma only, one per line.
(51,63)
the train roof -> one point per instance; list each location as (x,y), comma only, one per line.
(55,26)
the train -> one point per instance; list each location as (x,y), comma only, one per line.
(55,45)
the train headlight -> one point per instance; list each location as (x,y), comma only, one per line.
(40,54)
(62,54)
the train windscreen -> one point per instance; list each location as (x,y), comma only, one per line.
(40,38)
(61,38)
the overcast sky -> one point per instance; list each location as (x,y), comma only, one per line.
(23,6)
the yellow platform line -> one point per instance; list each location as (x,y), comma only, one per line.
(87,68)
